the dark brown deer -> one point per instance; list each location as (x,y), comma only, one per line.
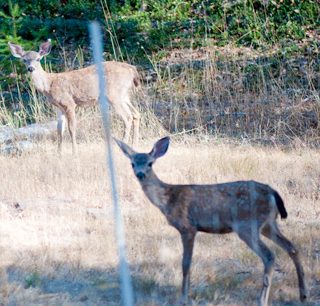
(80,88)
(245,207)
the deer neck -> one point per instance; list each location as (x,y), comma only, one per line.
(41,80)
(155,190)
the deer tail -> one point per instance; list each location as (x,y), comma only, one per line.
(136,78)
(280,205)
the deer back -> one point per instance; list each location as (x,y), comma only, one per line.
(213,208)
(82,86)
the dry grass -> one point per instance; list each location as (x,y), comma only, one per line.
(58,245)
(237,92)
(57,229)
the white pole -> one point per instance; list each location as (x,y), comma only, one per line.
(126,286)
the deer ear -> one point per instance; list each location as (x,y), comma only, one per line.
(125,148)
(160,148)
(45,48)
(16,50)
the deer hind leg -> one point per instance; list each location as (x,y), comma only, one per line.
(61,127)
(123,110)
(187,241)
(136,118)
(268,258)
(272,232)
(71,115)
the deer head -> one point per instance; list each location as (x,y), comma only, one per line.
(142,162)
(31,58)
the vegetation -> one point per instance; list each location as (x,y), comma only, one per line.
(252,62)
(156,25)
(57,227)
(235,83)
(206,65)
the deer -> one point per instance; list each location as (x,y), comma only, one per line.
(247,208)
(80,88)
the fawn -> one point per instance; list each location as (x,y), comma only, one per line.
(67,90)
(245,207)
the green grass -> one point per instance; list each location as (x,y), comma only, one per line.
(33,279)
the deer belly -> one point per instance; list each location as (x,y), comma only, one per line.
(212,220)
(216,229)
(214,225)
(90,101)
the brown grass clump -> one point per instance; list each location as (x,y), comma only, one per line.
(57,228)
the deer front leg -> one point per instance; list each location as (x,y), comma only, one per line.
(61,127)
(187,241)
(71,115)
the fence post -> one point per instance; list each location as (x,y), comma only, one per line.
(126,285)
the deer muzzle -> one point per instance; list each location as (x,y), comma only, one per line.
(30,69)
(141,176)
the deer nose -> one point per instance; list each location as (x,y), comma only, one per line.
(30,69)
(141,176)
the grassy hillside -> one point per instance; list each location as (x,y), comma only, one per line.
(237,68)
(252,63)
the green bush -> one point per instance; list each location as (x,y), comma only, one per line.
(135,30)
(243,22)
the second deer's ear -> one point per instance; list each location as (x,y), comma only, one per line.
(16,50)
(45,48)
(160,148)
(125,148)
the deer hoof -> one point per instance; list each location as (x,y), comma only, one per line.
(182,302)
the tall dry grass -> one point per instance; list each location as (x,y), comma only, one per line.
(235,92)
(57,229)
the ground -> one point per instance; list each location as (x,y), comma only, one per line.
(57,227)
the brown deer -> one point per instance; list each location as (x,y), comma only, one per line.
(245,207)
(67,90)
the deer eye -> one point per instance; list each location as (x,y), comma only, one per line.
(132,165)
(149,164)
(24,60)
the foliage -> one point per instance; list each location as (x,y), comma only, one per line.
(158,24)
(145,31)
(11,24)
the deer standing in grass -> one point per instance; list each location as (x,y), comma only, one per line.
(68,90)
(245,207)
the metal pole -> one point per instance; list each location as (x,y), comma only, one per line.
(126,285)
